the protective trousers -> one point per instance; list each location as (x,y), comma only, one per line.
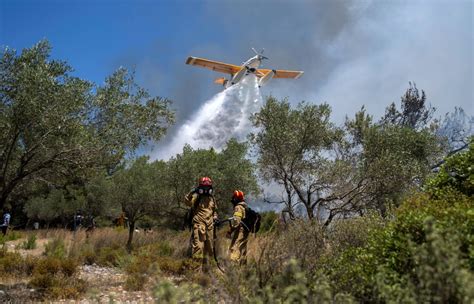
(201,244)
(238,246)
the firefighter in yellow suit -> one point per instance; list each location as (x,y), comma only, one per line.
(238,232)
(204,209)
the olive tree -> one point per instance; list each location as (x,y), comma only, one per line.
(54,125)
(139,191)
(299,149)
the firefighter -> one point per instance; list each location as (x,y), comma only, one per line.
(238,233)
(204,213)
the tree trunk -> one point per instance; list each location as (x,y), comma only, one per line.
(3,199)
(309,211)
(131,229)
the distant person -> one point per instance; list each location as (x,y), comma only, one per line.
(78,218)
(238,233)
(6,220)
(89,225)
(204,212)
(121,221)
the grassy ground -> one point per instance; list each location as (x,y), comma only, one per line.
(50,265)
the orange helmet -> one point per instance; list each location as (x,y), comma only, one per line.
(238,196)
(205,181)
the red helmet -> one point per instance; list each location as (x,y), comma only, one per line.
(205,181)
(238,196)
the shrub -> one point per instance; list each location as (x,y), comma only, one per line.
(11,263)
(138,272)
(391,253)
(54,278)
(86,254)
(165,292)
(440,275)
(302,240)
(109,256)
(352,233)
(53,265)
(12,235)
(55,248)
(30,243)
(269,221)
(176,266)
(58,286)
(292,285)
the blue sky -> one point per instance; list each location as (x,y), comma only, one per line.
(353,53)
(94,36)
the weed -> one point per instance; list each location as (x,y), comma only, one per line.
(138,272)
(56,248)
(30,243)
(110,256)
(10,236)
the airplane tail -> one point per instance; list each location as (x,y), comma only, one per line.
(221,81)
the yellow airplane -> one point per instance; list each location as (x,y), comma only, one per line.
(237,73)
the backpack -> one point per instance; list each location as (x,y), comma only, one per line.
(252,220)
(188,218)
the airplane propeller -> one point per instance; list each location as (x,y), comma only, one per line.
(260,55)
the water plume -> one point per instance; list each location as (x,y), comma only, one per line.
(222,117)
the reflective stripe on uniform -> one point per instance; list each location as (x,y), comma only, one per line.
(238,214)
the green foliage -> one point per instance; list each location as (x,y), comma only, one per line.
(425,254)
(457,173)
(135,190)
(163,248)
(30,243)
(291,285)
(55,125)
(110,256)
(54,205)
(439,275)
(294,147)
(12,235)
(347,234)
(269,221)
(229,170)
(55,248)
(166,292)
(393,155)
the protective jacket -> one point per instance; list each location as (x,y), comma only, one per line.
(239,235)
(204,211)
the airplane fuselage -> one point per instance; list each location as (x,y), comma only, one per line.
(249,66)
(253,62)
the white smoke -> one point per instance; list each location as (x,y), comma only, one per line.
(224,116)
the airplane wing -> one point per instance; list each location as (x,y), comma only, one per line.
(280,73)
(214,65)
